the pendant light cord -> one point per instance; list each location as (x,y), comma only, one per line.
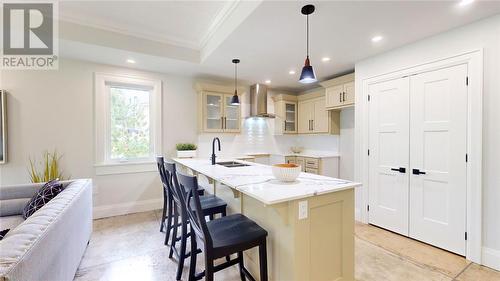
(235,77)
(307,35)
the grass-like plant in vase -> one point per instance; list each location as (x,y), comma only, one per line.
(46,170)
(186,150)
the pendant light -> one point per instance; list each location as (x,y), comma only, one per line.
(235,100)
(307,75)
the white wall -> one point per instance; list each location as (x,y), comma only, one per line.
(54,110)
(480,35)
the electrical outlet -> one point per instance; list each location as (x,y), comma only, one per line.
(302,210)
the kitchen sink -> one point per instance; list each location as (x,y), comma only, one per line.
(231,164)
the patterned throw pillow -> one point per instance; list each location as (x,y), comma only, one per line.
(3,233)
(42,197)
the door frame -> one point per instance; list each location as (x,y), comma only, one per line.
(474,61)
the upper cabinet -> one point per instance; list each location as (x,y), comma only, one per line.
(286,110)
(339,92)
(313,118)
(217,114)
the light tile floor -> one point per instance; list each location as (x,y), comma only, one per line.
(131,247)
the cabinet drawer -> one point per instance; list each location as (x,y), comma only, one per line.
(312,171)
(312,163)
(290,160)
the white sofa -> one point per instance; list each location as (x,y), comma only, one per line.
(49,245)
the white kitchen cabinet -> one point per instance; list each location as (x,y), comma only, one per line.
(313,117)
(339,92)
(217,114)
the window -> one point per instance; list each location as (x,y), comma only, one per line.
(128,123)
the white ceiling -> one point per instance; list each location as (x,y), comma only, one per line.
(182,23)
(269,37)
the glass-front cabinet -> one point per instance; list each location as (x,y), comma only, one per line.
(285,107)
(219,115)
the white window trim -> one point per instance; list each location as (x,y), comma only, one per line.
(104,166)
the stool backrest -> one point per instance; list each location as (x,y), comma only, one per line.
(177,195)
(196,217)
(160,162)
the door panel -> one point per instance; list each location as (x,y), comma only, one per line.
(232,115)
(349,93)
(389,137)
(438,145)
(213,112)
(306,109)
(334,96)
(320,120)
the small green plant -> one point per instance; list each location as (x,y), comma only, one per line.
(46,170)
(186,146)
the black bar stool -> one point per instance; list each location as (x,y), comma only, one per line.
(220,237)
(168,202)
(210,206)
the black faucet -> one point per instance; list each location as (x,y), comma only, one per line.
(213,149)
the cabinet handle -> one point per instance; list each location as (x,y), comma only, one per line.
(343,96)
(222,123)
(418,172)
(312,125)
(400,169)
(285,125)
(340,97)
(225,122)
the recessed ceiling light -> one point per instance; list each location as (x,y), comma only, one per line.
(377,38)
(465,2)
(325,59)
(131,61)
(291,72)
(268,81)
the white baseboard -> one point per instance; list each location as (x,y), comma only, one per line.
(127,208)
(491,258)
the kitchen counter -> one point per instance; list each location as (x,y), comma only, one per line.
(310,222)
(311,154)
(257,181)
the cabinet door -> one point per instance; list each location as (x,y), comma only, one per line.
(320,120)
(290,118)
(300,161)
(349,95)
(213,112)
(306,109)
(290,160)
(231,115)
(334,96)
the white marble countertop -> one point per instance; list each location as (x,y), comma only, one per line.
(257,181)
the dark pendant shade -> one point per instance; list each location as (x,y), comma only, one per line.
(235,100)
(307,76)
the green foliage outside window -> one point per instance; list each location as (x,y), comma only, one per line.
(130,134)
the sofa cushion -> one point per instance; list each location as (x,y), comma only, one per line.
(42,197)
(10,222)
(11,207)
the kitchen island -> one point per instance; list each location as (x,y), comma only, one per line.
(310,221)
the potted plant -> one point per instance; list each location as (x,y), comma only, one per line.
(186,150)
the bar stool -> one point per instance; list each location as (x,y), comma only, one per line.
(210,205)
(167,199)
(220,237)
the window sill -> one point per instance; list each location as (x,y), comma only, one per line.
(125,168)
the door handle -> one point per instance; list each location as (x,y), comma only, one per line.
(400,169)
(418,172)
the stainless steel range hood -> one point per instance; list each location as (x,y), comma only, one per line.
(258,101)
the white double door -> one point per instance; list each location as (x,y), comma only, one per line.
(417,166)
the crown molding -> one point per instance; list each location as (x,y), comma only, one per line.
(219,19)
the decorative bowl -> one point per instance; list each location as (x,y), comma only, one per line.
(286,172)
(296,149)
